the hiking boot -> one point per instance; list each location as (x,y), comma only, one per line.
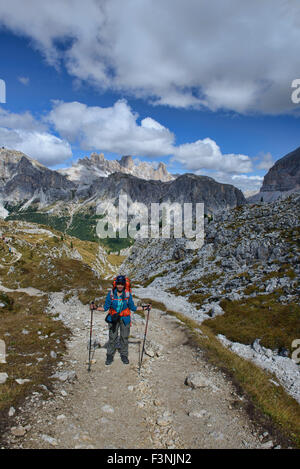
(124,360)
(109,359)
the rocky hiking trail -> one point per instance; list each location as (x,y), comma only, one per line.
(114,407)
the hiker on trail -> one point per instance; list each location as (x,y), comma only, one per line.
(120,303)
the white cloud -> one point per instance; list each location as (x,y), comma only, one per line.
(41,146)
(24,133)
(24,121)
(116,129)
(266,161)
(234,55)
(206,154)
(113,129)
(24,80)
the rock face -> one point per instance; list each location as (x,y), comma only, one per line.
(284,175)
(243,248)
(281,180)
(187,188)
(24,181)
(88,169)
(23,178)
(191,188)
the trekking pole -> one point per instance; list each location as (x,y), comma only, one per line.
(91,332)
(146,328)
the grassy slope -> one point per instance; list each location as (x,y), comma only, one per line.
(36,268)
(262,317)
(83,225)
(24,312)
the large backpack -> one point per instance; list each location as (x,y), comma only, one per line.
(126,312)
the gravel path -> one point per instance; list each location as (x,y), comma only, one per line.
(115,407)
(285,369)
(29,290)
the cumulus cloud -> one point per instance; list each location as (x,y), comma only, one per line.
(247,183)
(113,129)
(266,161)
(42,146)
(116,129)
(206,154)
(24,121)
(24,133)
(234,55)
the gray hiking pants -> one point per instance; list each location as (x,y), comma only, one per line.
(113,337)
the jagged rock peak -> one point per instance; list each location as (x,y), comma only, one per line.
(14,157)
(97,157)
(126,161)
(88,169)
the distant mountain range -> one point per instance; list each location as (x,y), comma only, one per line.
(68,200)
(86,170)
(26,181)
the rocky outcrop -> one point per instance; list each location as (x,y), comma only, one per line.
(187,188)
(284,175)
(192,188)
(88,169)
(22,178)
(243,248)
(281,180)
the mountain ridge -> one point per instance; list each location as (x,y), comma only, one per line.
(86,170)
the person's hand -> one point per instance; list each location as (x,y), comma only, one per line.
(100,308)
(93,306)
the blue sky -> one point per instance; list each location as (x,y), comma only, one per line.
(139,99)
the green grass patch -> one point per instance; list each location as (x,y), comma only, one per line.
(284,270)
(23,351)
(58,223)
(150,279)
(263,316)
(208,280)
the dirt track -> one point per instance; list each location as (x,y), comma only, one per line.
(113,407)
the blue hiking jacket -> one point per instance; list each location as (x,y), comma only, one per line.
(119,305)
